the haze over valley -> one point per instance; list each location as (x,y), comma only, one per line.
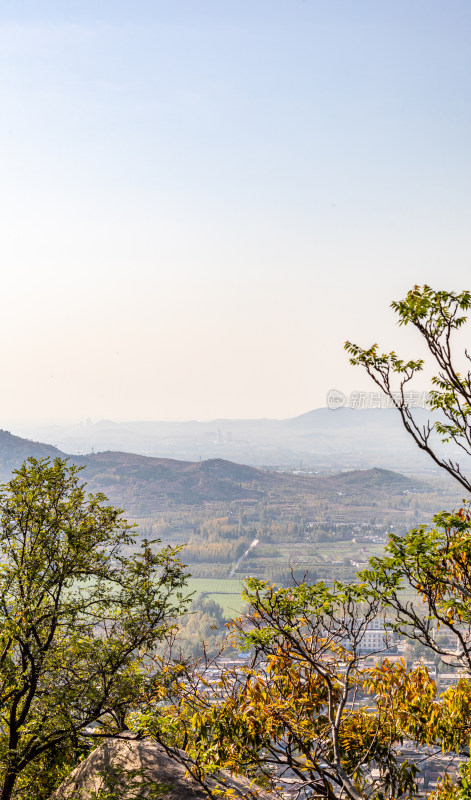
(320,440)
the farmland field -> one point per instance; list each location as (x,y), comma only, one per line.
(224,591)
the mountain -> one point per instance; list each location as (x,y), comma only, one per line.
(369,481)
(144,485)
(14,450)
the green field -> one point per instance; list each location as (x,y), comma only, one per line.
(224,591)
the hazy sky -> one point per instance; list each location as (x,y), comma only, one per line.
(200,201)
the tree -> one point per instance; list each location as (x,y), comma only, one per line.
(292,719)
(434,560)
(294,712)
(436,315)
(80,615)
(200,630)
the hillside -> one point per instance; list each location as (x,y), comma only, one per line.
(14,450)
(144,485)
(327,524)
(371,480)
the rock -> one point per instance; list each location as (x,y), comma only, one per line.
(136,769)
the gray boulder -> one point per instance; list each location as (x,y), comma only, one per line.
(138,769)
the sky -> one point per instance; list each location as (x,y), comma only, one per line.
(201,200)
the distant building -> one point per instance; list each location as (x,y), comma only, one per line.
(378,637)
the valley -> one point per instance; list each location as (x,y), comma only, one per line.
(306,526)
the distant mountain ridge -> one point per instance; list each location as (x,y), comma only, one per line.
(143,485)
(321,439)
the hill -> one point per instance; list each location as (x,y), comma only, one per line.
(371,480)
(14,450)
(236,519)
(143,485)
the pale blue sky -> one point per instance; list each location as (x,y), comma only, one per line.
(200,201)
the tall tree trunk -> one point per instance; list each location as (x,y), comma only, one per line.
(8,784)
